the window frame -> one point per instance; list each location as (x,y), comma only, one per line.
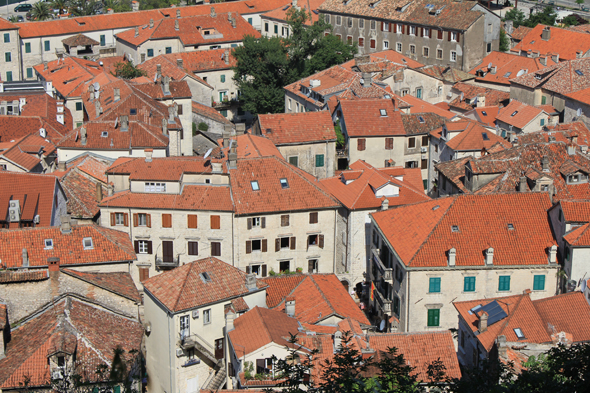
(434,285)
(539,282)
(469,283)
(207,316)
(503,283)
(433,317)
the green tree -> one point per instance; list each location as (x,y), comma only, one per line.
(13,19)
(154,4)
(580,2)
(127,70)
(40,11)
(547,17)
(260,74)
(84,7)
(504,41)
(570,20)
(340,141)
(516,16)
(60,6)
(117,5)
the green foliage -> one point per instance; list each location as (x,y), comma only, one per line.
(40,11)
(516,16)
(547,17)
(340,141)
(153,4)
(127,70)
(248,369)
(580,2)
(13,19)
(504,42)
(117,5)
(203,126)
(266,65)
(84,7)
(60,6)
(570,21)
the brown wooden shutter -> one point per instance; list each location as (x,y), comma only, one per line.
(263,245)
(144,273)
(381,26)
(430,33)
(278,244)
(458,37)
(321,241)
(292,242)
(167,220)
(263,222)
(112,219)
(149,247)
(440,34)
(125,219)
(136,245)
(192,221)
(421,33)
(310,266)
(215,222)
(403,29)
(248,247)
(313,218)
(249,220)
(148,220)
(248,269)
(449,36)
(263,270)
(390,26)
(135,219)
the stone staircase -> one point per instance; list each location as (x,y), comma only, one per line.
(218,381)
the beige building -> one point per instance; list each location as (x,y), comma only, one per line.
(519,118)
(418,270)
(11,69)
(184,340)
(306,140)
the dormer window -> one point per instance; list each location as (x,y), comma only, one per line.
(383,112)
(205,277)
(573,178)
(133,111)
(255,186)
(420,119)
(48,244)
(104,134)
(455,228)
(88,245)
(510,227)
(155,187)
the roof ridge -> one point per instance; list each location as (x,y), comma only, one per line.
(189,269)
(293,290)
(511,314)
(323,295)
(266,329)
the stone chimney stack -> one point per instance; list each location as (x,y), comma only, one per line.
(98,192)
(483,322)
(543,60)
(213,13)
(53,264)
(136,31)
(553,254)
(232,157)
(25,258)
(176,25)
(481,100)
(117,93)
(91,91)
(166,84)
(135,6)
(151,23)
(290,306)
(171,118)
(178,13)
(546,34)
(251,282)
(522,184)
(124,123)
(545,164)
(83,139)
(66,224)
(229,321)
(490,256)
(452,256)
(367,79)
(502,347)
(385,204)
(164,126)
(158,71)
(226,56)
(226,135)
(148,154)
(337,341)
(179,63)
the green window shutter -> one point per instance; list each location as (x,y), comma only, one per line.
(250,20)
(434,317)
(504,283)
(469,284)
(276,29)
(542,122)
(27,47)
(9,76)
(224,113)
(8,57)
(47,46)
(294,160)
(539,283)
(222,78)
(6,38)
(168,49)
(434,285)
(543,100)
(319,160)
(78,106)
(103,40)
(117,389)
(29,72)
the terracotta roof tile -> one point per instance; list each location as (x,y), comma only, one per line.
(566,78)
(364,118)
(17,276)
(24,151)
(280,14)
(564,42)
(475,138)
(79,40)
(159,168)
(301,194)
(519,114)
(360,192)
(108,246)
(117,282)
(185,288)
(505,66)
(520,32)
(249,146)
(575,210)
(209,113)
(446,73)
(279,289)
(6,25)
(471,92)
(422,233)
(421,106)
(295,128)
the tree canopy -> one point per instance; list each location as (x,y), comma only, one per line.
(546,17)
(265,65)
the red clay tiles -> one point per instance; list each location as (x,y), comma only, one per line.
(116,282)
(295,128)
(564,42)
(506,66)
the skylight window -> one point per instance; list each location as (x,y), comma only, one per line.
(484,113)
(510,226)
(104,134)
(284,183)
(255,186)
(519,333)
(48,244)
(506,75)
(485,136)
(455,228)
(579,73)
(133,111)
(420,119)
(383,112)
(205,277)
(514,113)
(88,245)
(436,207)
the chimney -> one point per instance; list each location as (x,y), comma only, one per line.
(251,282)
(158,71)
(136,31)
(110,190)
(171,115)
(571,149)
(452,256)
(135,6)
(213,13)
(226,135)
(97,108)
(117,93)
(25,258)
(490,256)
(290,306)
(229,16)
(232,157)
(546,34)
(575,139)
(226,56)
(176,25)
(91,91)
(61,166)
(337,341)
(164,126)
(502,347)
(179,63)
(148,154)
(230,316)
(44,66)
(66,224)
(367,79)
(124,123)
(522,184)
(151,23)
(166,84)
(99,192)
(481,99)
(493,70)
(53,264)
(553,254)
(83,135)
(240,128)
(483,322)
(545,164)
(110,11)
(385,204)
(178,13)
(294,4)
(543,60)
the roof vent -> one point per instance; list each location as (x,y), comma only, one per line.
(314,83)
(205,277)
(452,256)
(490,256)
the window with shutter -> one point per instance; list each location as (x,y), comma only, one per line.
(440,34)
(312,266)
(434,317)
(388,143)
(292,242)
(373,44)
(166,220)
(539,282)
(285,220)
(321,241)
(215,222)
(313,218)
(215,249)
(361,143)
(113,219)
(361,42)
(125,219)
(144,273)
(248,246)
(135,219)
(193,248)
(192,221)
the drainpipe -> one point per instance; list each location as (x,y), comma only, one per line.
(407,301)
(335,235)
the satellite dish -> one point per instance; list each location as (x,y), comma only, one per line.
(208,153)
(382,325)
(96,86)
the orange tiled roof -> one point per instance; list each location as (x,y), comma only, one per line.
(34,192)
(295,128)
(69,74)
(301,194)
(519,114)
(420,350)
(520,32)
(24,152)
(116,282)
(363,118)
(474,137)
(189,30)
(366,179)
(569,313)
(575,210)
(446,73)
(567,78)
(250,146)
(259,327)
(6,25)
(377,62)
(471,92)
(317,297)
(505,66)
(208,112)
(566,43)
(68,325)
(420,106)
(579,236)
(159,168)
(108,246)
(311,6)
(15,276)
(184,288)
(422,234)
(487,114)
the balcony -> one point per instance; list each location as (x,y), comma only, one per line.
(225,104)
(380,268)
(164,263)
(194,341)
(342,153)
(384,305)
